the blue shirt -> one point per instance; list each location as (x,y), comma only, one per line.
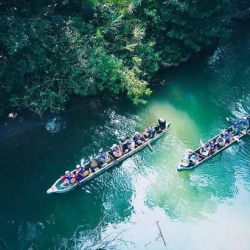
(245,124)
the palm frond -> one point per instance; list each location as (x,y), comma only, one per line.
(130,47)
(130,8)
(114,24)
(139,32)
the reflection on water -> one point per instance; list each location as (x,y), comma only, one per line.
(198,209)
(55,125)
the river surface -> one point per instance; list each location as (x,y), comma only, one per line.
(206,208)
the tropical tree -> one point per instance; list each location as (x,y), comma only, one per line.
(52,51)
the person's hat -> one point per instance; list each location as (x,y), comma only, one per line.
(162,120)
(101,150)
(67,172)
(78,166)
(244,117)
(114,146)
(137,133)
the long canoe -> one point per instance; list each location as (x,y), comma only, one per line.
(58,188)
(203,158)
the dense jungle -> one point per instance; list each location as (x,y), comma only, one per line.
(53,52)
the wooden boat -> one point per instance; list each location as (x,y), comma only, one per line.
(57,187)
(183,165)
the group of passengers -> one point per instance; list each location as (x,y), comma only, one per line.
(239,126)
(117,151)
(215,144)
(138,139)
(190,157)
(104,157)
(75,176)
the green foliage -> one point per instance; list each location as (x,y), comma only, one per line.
(53,50)
(241,4)
(197,24)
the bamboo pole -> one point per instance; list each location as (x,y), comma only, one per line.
(157,222)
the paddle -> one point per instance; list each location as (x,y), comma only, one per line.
(149,145)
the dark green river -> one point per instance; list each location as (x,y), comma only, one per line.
(206,208)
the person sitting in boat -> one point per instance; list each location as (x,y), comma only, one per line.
(220,141)
(193,158)
(161,125)
(128,145)
(81,173)
(68,178)
(244,124)
(212,146)
(104,157)
(139,139)
(204,150)
(236,126)
(116,151)
(189,158)
(227,136)
(185,158)
(94,164)
(149,132)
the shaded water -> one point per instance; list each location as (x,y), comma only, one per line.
(207,208)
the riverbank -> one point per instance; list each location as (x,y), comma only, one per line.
(17,123)
(21,120)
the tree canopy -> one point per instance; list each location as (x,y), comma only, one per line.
(54,50)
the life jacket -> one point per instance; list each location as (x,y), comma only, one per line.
(227,136)
(193,159)
(151,132)
(138,138)
(117,150)
(221,141)
(237,128)
(104,157)
(68,177)
(129,144)
(81,171)
(203,149)
(245,124)
(212,145)
(81,174)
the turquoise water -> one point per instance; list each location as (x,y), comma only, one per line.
(206,208)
